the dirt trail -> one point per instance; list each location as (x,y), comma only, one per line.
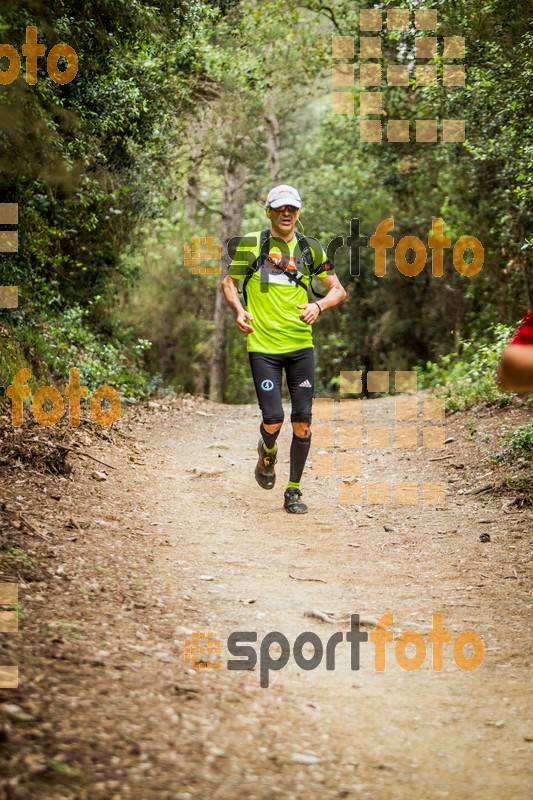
(155,728)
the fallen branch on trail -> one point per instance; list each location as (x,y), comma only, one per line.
(310,580)
(485,487)
(87,455)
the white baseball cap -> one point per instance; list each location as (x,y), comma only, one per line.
(283,195)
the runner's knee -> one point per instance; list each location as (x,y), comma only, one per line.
(272,428)
(302,429)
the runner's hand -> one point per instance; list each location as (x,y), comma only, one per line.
(310,314)
(242,324)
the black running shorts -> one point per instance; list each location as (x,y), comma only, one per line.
(299,369)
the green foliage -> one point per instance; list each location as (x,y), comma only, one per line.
(69,153)
(84,163)
(68,341)
(518,441)
(18,558)
(478,189)
(22,616)
(240,384)
(59,767)
(172,308)
(472,427)
(468,378)
(516,445)
(65,628)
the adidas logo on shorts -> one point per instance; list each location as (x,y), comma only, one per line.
(305,384)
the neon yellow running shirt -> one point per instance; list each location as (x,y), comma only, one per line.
(273,299)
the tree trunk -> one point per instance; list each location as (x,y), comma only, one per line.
(193,185)
(272,141)
(528,274)
(233,200)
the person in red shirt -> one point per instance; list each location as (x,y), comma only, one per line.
(516,367)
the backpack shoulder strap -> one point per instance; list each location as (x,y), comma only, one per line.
(308,259)
(264,247)
(305,250)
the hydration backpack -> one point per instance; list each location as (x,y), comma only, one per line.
(292,275)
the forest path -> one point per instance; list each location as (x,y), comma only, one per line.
(160,729)
(394,734)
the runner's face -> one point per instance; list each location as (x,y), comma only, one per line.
(283,219)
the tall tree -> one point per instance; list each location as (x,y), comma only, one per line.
(233,200)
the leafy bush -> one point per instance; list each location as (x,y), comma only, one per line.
(61,343)
(516,444)
(468,378)
(518,441)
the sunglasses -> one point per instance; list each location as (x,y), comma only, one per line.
(290,209)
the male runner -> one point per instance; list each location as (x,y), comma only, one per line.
(281,335)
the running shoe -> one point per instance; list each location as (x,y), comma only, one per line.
(265,474)
(292,502)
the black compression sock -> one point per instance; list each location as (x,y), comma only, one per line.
(269,438)
(299,452)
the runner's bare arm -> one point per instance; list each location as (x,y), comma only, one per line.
(336,294)
(229,287)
